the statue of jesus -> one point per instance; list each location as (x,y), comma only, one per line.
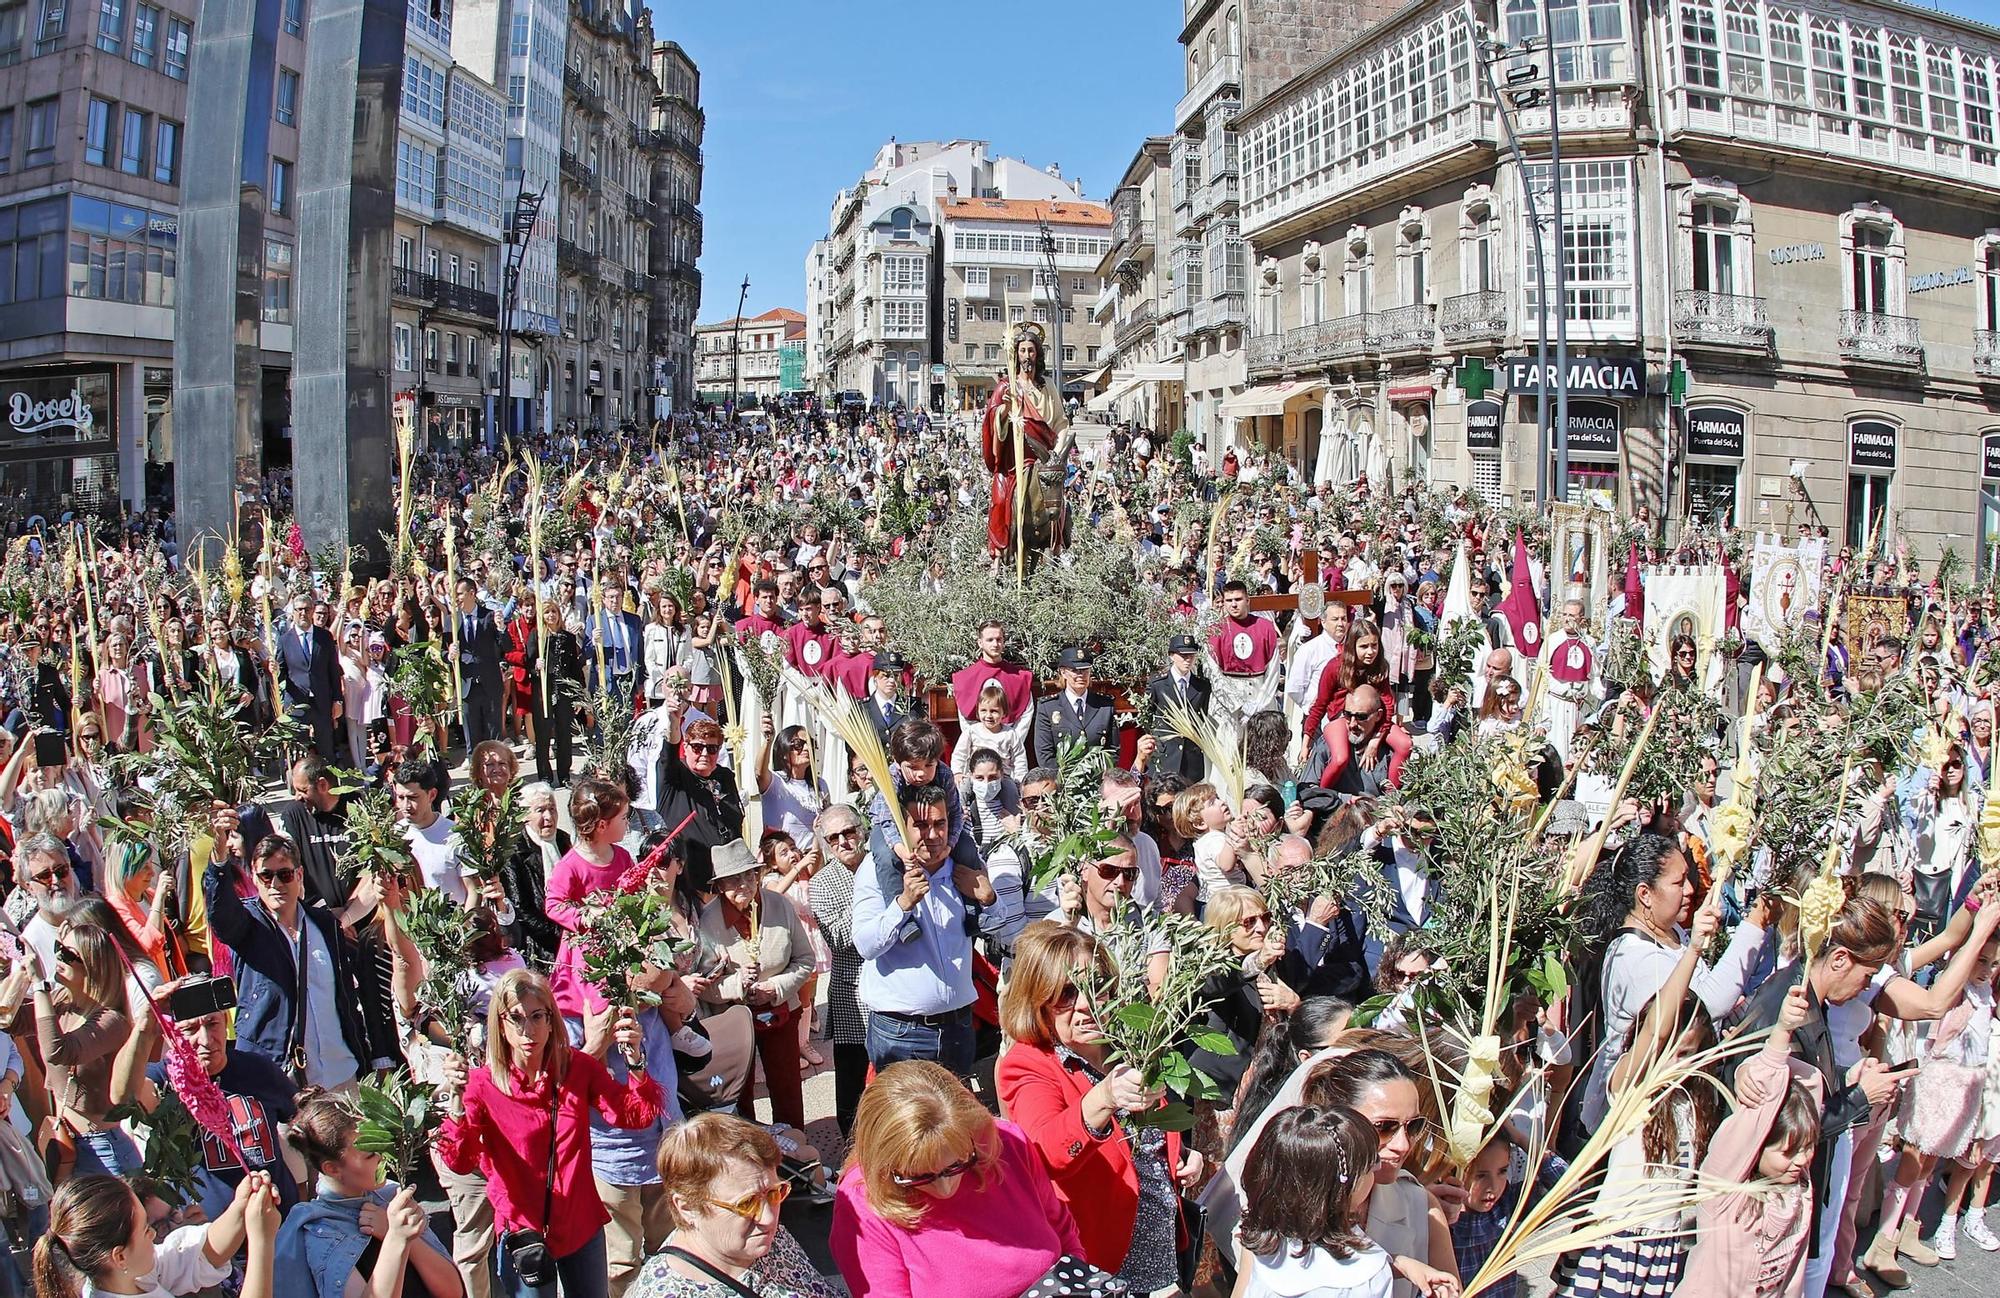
(1025,420)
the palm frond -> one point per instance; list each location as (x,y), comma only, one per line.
(1225,761)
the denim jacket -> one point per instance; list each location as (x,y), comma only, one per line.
(321,1241)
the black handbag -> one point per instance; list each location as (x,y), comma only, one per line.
(527,1250)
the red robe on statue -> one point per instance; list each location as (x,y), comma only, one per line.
(996,447)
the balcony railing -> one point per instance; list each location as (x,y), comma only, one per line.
(637,208)
(1408,328)
(579,90)
(1473,317)
(686,211)
(572,260)
(1225,71)
(1266,353)
(464,299)
(1986,353)
(638,281)
(1221,311)
(1871,338)
(1142,318)
(576,172)
(1340,339)
(405,281)
(1709,319)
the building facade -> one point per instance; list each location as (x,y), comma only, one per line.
(93,100)
(678,125)
(1783,272)
(1140,380)
(997,258)
(883,325)
(748,360)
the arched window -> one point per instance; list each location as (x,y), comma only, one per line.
(901,222)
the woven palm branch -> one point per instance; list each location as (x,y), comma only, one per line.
(850,721)
(1225,761)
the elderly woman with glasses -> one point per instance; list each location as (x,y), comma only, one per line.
(939,1197)
(724,1189)
(523,1122)
(1123,1188)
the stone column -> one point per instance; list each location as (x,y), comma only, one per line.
(344,443)
(219,296)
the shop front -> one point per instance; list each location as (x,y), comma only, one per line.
(1601,392)
(1713,439)
(59,442)
(1871,480)
(1483,419)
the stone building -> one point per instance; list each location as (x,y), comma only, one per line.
(678,123)
(747,359)
(1140,380)
(1785,215)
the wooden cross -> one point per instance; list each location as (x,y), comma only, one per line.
(1309,581)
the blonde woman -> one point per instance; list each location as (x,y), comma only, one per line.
(939,1197)
(527,1113)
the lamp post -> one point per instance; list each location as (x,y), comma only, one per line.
(1055,306)
(735,343)
(520,225)
(1562,273)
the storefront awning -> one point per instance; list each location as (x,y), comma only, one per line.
(1120,387)
(1269,398)
(1098,377)
(1160,372)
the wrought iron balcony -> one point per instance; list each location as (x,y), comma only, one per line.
(576,172)
(1986,353)
(1408,328)
(406,281)
(580,92)
(1871,338)
(1143,317)
(686,211)
(465,300)
(638,281)
(1473,317)
(1704,319)
(1332,341)
(1266,353)
(637,208)
(572,260)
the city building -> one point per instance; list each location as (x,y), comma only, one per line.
(1783,295)
(444,312)
(1140,379)
(882,326)
(997,270)
(746,357)
(1238,52)
(604,366)
(678,124)
(792,362)
(92,105)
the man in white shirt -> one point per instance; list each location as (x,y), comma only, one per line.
(1313,656)
(418,791)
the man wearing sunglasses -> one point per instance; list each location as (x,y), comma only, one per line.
(298,1002)
(846,838)
(46,892)
(1372,765)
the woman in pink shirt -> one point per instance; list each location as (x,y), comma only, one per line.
(596,863)
(940,1198)
(529,1108)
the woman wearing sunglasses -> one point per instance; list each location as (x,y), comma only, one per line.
(82,1019)
(940,1198)
(724,1189)
(523,1123)
(1123,1188)
(1243,998)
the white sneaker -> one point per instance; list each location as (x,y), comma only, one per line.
(1945,1242)
(1975,1228)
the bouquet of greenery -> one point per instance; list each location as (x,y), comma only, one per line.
(436,926)
(614,718)
(1074,830)
(1452,648)
(378,843)
(204,752)
(399,1119)
(418,675)
(488,829)
(1688,725)
(622,933)
(1144,1029)
(174,1153)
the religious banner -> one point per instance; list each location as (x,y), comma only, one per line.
(1580,558)
(1682,601)
(1870,619)
(1784,583)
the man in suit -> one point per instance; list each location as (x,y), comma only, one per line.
(309,671)
(618,643)
(888,705)
(1178,685)
(1075,710)
(476,640)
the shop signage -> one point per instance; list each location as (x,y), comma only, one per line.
(1929,280)
(1989,456)
(1482,425)
(1871,444)
(65,411)
(1593,429)
(1792,252)
(1602,376)
(458,400)
(159,376)
(1716,431)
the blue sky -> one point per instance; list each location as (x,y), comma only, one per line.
(800,95)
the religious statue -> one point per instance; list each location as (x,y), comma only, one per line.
(1025,421)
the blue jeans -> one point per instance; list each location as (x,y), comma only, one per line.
(110,1153)
(584,1273)
(892,1040)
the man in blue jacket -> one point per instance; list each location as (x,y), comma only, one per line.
(297,1001)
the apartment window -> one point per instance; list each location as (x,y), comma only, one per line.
(288,97)
(992,351)
(517,40)
(1356,274)
(145,35)
(97,133)
(978,277)
(1413,250)
(54,24)
(400,337)
(1069,355)
(110,25)
(1090,355)
(1041,315)
(132,142)
(990,314)
(277,282)
(452,352)
(281,187)
(472,355)
(406,252)
(902,275)
(431,262)
(1017,314)
(431,350)
(1986,257)
(1589,36)
(1597,241)
(1872,240)
(1479,235)
(6,141)
(1701,55)
(41,133)
(179,33)
(1719,248)
(972,351)
(294,17)
(167,152)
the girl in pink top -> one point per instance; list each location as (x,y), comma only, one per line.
(940,1198)
(600,810)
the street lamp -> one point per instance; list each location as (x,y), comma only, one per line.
(520,225)
(1055,305)
(735,344)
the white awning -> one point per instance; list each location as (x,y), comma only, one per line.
(1265,399)
(1119,388)
(1160,372)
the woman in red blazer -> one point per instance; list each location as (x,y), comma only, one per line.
(1122,1183)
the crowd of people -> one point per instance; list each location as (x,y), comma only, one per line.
(1154,984)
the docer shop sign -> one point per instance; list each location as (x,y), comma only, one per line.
(25,415)
(66,408)
(1622,377)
